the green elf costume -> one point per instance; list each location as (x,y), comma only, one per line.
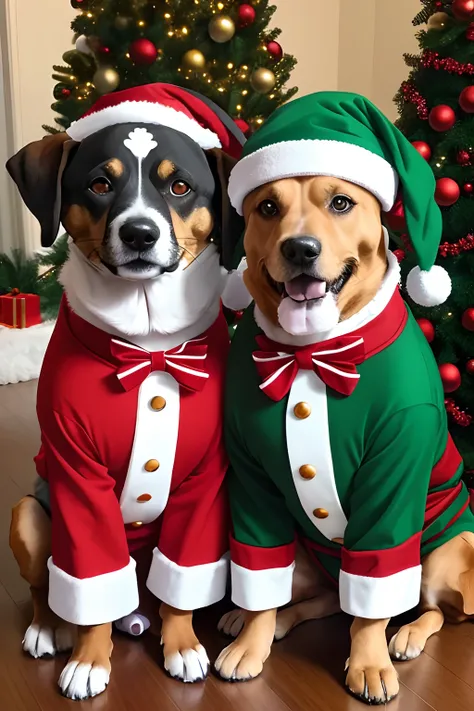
(340,439)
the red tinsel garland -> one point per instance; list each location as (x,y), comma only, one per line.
(460,417)
(447,64)
(412,96)
(448,249)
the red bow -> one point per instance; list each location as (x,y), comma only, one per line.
(333,361)
(135,364)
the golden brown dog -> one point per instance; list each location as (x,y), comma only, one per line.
(346,242)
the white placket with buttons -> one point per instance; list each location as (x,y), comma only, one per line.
(309,453)
(147,486)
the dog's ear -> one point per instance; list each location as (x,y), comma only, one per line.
(37,170)
(230,225)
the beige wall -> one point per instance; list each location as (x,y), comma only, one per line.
(346,44)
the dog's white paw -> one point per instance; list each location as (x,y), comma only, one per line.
(189,665)
(42,641)
(404,646)
(232,622)
(134,624)
(82,681)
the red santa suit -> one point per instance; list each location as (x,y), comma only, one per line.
(133,454)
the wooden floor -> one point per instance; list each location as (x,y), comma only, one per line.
(304,673)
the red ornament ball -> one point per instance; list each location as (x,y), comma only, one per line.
(463,9)
(142,51)
(395,219)
(468,319)
(466,99)
(450,376)
(423,149)
(65,93)
(463,158)
(447,192)
(275,50)
(470,367)
(427,328)
(470,33)
(442,117)
(399,254)
(246,15)
(468,188)
(243,125)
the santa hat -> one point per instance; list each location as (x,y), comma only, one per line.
(163,105)
(344,135)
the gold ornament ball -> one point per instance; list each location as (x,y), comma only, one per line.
(262,80)
(106,80)
(438,21)
(221,28)
(122,23)
(194,59)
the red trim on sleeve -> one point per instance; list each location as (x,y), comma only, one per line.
(382,563)
(448,525)
(439,501)
(256,558)
(447,466)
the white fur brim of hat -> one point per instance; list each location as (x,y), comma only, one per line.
(290,159)
(143,112)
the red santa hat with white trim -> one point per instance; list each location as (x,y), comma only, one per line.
(163,105)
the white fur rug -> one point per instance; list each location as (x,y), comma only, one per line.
(22,352)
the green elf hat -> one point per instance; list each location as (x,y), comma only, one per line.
(344,135)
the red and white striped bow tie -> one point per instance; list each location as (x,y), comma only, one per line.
(135,363)
(333,361)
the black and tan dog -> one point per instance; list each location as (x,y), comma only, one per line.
(130,394)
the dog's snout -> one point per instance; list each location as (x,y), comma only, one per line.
(301,251)
(139,235)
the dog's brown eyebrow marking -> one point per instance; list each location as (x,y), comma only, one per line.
(166,169)
(115,167)
(268,192)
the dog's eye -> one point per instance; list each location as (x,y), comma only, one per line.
(179,188)
(268,208)
(100,186)
(341,204)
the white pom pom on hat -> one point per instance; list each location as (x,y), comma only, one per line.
(235,295)
(429,288)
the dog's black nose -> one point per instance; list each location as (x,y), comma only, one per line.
(139,235)
(301,251)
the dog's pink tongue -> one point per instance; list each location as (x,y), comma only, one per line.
(305,288)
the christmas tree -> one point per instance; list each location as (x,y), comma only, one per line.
(436,107)
(224,50)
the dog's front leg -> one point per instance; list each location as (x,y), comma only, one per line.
(371,675)
(244,659)
(185,658)
(88,671)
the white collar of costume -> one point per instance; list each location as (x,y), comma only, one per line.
(364,316)
(156,314)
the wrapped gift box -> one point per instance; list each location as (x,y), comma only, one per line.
(20,310)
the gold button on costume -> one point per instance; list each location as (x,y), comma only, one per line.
(137,524)
(340,541)
(320,513)
(143,498)
(307,471)
(152,465)
(158,403)
(302,410)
